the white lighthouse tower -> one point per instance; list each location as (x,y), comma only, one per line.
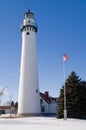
(28,102)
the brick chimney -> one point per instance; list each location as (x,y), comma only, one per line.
(46,94)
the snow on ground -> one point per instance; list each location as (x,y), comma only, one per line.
(41,123)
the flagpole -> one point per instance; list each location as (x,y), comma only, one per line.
(65,108)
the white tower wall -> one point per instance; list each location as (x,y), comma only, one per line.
(29,101)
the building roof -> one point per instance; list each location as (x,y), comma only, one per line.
(5,107)
(47,97)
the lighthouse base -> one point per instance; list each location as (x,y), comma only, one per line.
(28,114)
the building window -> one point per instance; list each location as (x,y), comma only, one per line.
(41,101)
(42,108)
(2,111)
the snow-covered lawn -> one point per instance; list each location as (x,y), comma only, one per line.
(41,123)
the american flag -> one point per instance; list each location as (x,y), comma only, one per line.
(65,57)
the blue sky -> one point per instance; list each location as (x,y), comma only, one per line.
(61,29)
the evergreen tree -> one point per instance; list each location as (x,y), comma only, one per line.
(60,104)
(16,107)
(75,98)
(12,103)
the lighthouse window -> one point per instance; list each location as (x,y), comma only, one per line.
(33,29)
(27,33)
(30,28)
(27,28)
(23,29)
